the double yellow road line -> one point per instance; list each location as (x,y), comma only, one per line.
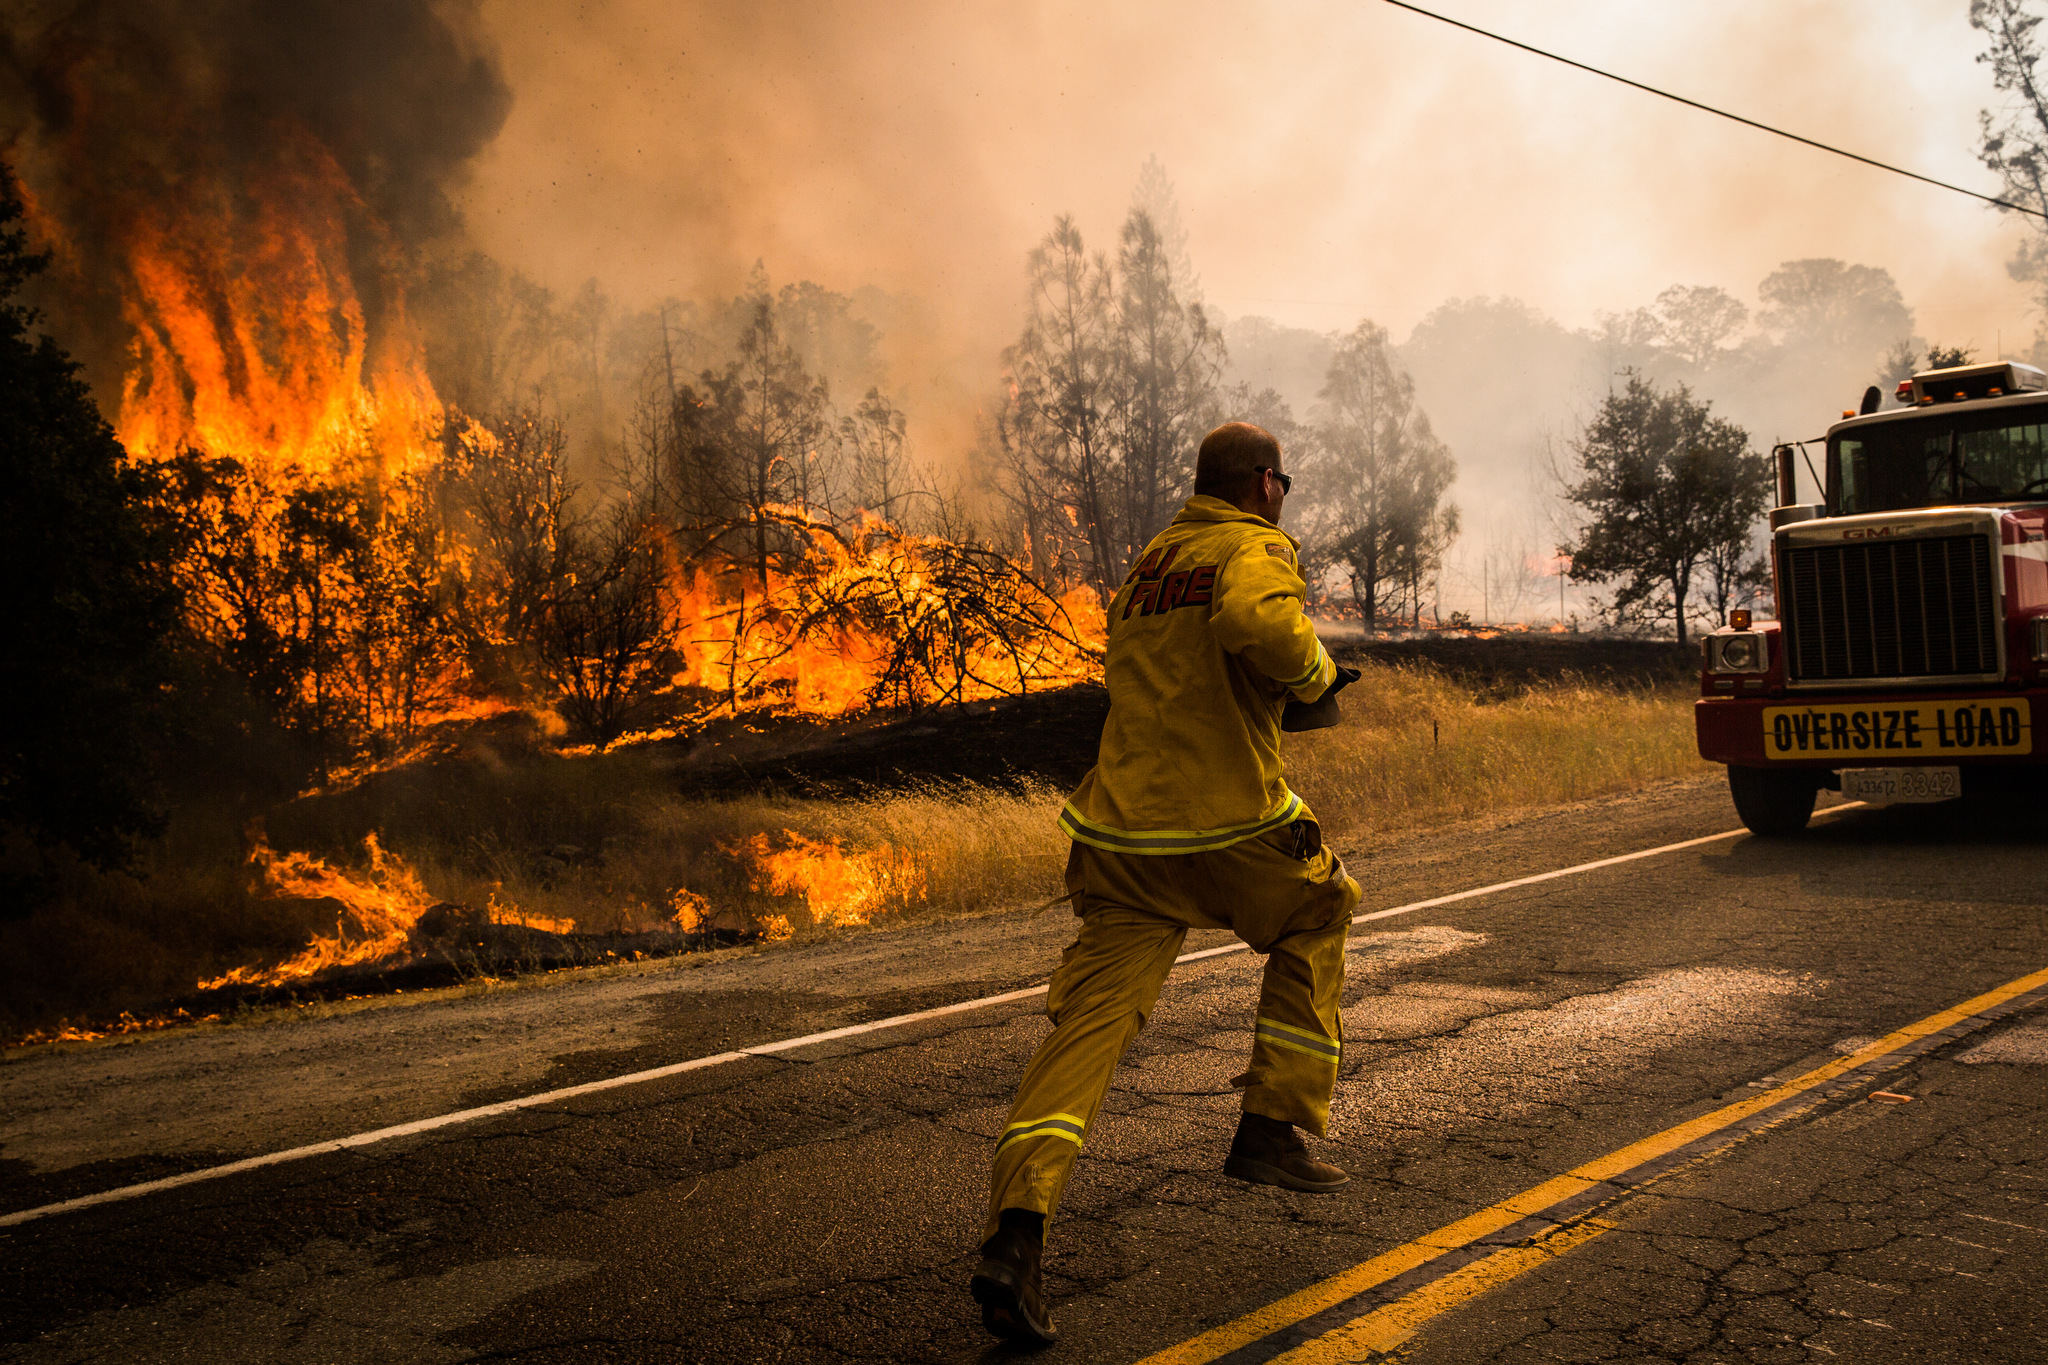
(1361,1313)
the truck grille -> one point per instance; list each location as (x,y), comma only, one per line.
(1891,609)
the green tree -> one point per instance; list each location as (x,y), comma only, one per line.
(90,615)
(1673,495)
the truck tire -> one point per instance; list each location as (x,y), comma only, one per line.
(1773,801)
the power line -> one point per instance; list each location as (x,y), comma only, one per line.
(1722,113)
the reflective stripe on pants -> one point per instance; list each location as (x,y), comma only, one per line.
(1135,911)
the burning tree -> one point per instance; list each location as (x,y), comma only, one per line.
(751,440)
(873,616)
(601,636)
(245,254)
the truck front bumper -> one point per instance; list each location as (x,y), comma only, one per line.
(1866,730)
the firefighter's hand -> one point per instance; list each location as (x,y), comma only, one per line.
(1321,713)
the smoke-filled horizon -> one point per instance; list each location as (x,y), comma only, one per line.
(1330,163)
(1333,161)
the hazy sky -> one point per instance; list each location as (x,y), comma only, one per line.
(1333,160)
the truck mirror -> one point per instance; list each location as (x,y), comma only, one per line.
(1871,398)
(1787,477)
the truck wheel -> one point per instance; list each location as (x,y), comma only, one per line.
(1773,801)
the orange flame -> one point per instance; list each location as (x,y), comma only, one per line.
(840,888)
(124,1023)
(378,910)
(270,324)
(821,639)
(692,911)
(250,337)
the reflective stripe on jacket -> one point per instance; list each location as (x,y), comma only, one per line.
(1206,641)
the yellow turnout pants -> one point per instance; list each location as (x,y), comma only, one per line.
(1135,910)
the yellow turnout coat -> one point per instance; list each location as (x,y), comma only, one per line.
(1206,642)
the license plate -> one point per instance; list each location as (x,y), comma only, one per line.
(1895,786)
(1949,729)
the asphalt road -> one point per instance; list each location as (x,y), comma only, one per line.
(820,1204)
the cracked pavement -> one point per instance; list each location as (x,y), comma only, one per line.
(820,1205)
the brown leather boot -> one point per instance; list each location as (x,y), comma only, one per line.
(1269,1152)
(1008,1286)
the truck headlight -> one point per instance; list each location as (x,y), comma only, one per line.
(1738,652)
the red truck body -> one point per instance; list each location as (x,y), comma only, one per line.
(1907,657)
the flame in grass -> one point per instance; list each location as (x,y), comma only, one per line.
(510,913)
(378,911)
(379,907)
(692,911)
(838,887)
(122,1025)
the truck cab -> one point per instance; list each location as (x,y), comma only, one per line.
(1909,653)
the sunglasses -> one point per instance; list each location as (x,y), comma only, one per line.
(1286,481)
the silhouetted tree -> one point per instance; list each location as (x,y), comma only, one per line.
(1062,372)
(751,439)
(1110,386)
(1828,307)
(90,614)
(602,637)
(1696,319)
(1378,475)
(878,472)
(1168,362)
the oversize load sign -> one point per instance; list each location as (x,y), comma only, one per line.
(1937,728)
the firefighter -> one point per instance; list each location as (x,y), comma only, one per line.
(1184,823)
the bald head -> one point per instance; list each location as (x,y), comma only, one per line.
(1231,456)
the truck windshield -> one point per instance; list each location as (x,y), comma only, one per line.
(2004,461)
(1981,457)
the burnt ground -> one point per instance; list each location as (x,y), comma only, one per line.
(1051,736)
(1044,736)
(1512,663)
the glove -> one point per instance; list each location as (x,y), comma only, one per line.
(1321,713)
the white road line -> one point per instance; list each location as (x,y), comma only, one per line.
(1574,871)
(400,1130)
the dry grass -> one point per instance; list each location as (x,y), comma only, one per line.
(974,847)
(1417,749)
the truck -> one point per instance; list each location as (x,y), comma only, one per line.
(1909,654)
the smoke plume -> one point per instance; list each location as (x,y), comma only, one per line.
(171,149)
